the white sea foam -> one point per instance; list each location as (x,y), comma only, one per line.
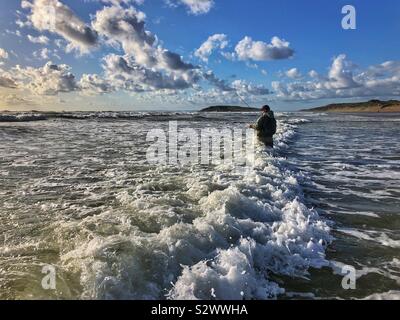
(80,195)
(375,236)
(219,237)
(390,295)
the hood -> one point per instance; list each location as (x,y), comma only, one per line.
(270,114)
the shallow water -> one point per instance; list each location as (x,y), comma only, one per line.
(77,192)
(353,162)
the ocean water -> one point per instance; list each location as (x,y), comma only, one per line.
(77,193)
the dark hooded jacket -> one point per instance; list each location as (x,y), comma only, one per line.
(266,125)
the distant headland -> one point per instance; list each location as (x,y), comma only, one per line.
(229,109)
(369,106)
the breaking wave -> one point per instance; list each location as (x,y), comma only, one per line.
(149,116)
(22,117)
(199,233)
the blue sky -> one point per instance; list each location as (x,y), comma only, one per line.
(152,59)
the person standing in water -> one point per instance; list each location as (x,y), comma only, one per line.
(266,126)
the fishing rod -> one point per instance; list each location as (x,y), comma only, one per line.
(242,99)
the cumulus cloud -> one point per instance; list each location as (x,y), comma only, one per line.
(38,40)
(92,84)
(214,42)
(16,33)
(379,71)
(340,74)
(119,2)
(342,81)
(293,73)
(3,54)
(146,65)
(171,61)
(245,88)
(6,80)
(126,26)
(50,79)
(220,84)
(239,86)
(313,74)
(278,49)
(46,54)
(196,7)
(42,54)
(124,73)
(56,17)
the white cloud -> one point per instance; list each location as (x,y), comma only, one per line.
(119,2)
(220,84)
(50,79)
(22,24)
(313,74)
(43,54)
(342,82)
(248,89)
(56,17)
(6,80)
(214,42)
(92,84)
(39,40)
(125,74)
(146,65)
(231,56)
(293,73)
(251,65)
(340,74)
(46,54)
(247,49)
(3,54)
(126,26)
(16,33)
(238,86)
(195,7)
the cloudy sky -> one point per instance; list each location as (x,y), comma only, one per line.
(188,54)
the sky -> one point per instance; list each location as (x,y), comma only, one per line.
(189,54)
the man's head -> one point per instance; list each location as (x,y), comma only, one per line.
(266,108)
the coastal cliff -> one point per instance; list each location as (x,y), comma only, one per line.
(369,106)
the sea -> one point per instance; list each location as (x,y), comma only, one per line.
(85,215)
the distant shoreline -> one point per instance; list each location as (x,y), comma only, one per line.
(372,106)
(229,109)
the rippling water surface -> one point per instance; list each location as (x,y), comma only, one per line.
(77,192)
